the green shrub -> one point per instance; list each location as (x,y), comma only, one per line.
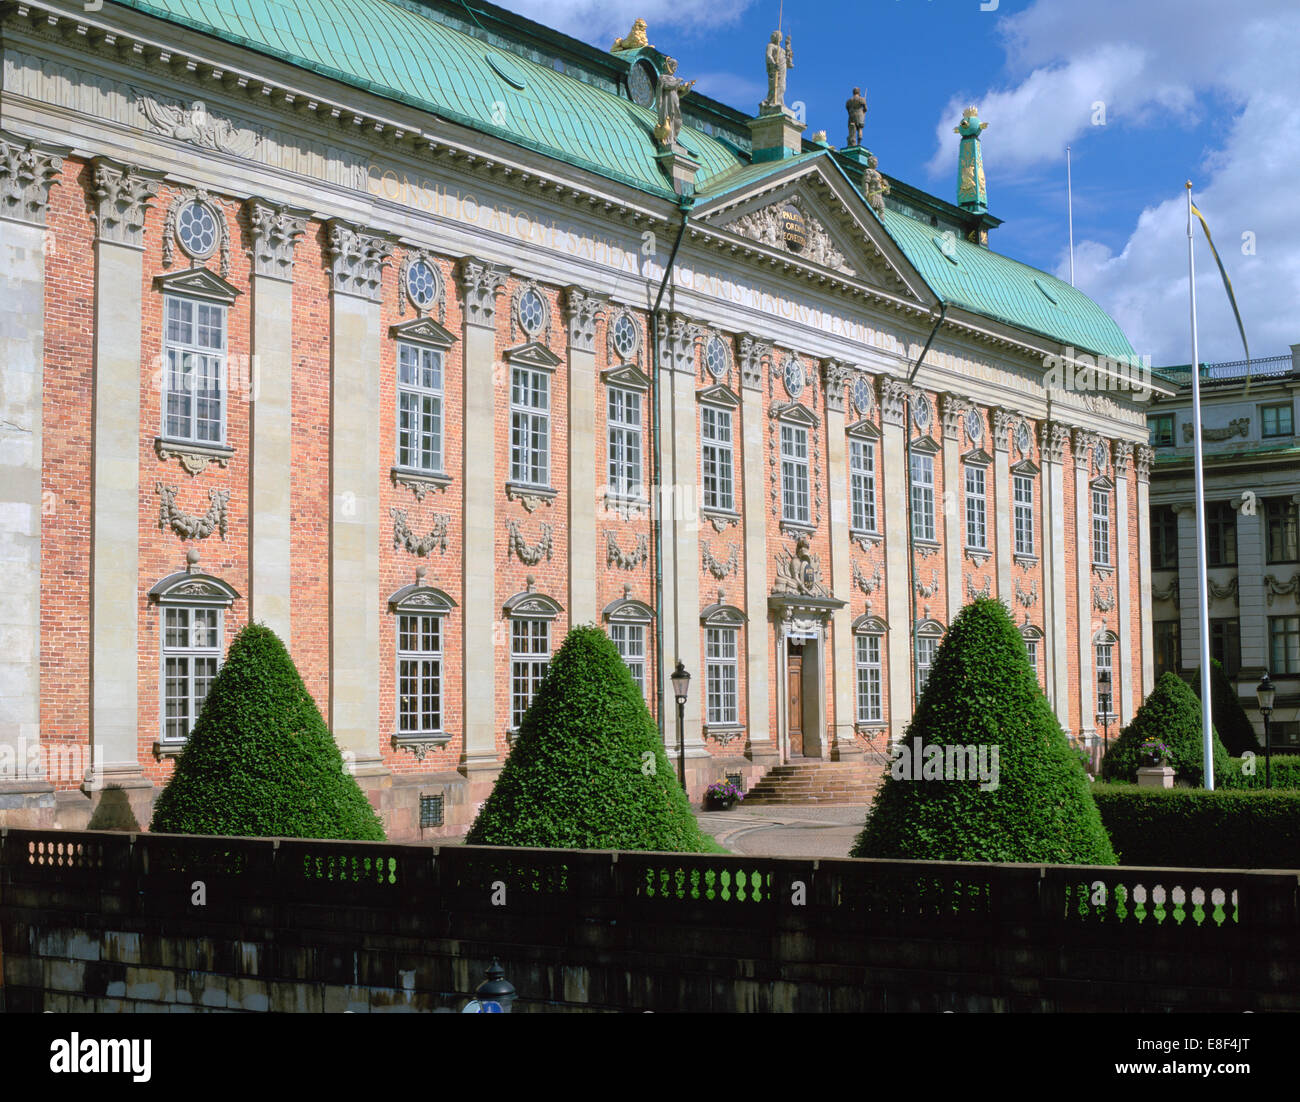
(588,769)
(260,761)
(1231,723)
(1285,771)
(982,692)
(1171,714)
(1196,828)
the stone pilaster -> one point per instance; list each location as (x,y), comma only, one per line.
(26,175)
(275,232)
(1142,457)
(583,311)
(836,377)
(753,355)
(1001,504)
(1082,445)
(1189,627)
(1252,610)
(898,608)
(954,503)
(356,261)
(122,196)
(1122,673)
(1053,438)
(480,285)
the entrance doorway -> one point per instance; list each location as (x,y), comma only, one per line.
(794,697)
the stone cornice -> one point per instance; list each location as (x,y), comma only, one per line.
(356,260)
(122,196)
(274,231)
(27,172)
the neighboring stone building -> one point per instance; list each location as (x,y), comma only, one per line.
(1252,523)
(340,316)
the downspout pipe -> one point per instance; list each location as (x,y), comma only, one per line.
(684,204)
(911,550)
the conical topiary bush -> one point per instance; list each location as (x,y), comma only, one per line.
(1231,723)
(588,769)
(1038,807)
(260,761)
(1171,714)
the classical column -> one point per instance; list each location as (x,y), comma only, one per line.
(583,311)
(356,262)
(480,285)
(1053,437)
(1082,445)
(1000,502)
(26,176)
(763,747)
(1142,463)
(1189,627)
(1252,611)
(122,196)
(898,606)
(837,377)
(275,232)
(1122,674)
(954,505)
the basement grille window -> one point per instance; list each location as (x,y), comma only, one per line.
(737,779)
(430,811)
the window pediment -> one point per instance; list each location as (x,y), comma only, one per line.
(531,605)
(931,629)
(795,414)
(977,457)
(423,331)
(534,354)
(184,588)
(718,396)
(722,616)
(197,283)
(925,446)
(864,430)
(1029,631)
(869,625)
(628,610)
(1026,467)
(421,598)
(1105,636)
(626,375)
(1101,483)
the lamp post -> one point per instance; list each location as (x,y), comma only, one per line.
(1103,693)
(681,686)
(1264,693)
(495,995)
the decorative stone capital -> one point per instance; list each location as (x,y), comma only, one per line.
(1052,438)
(122,196)
(480,285)
(275,232)
(1122,452)
(1083,441)
(1004,420)
(356,261)
(1144,455)
(753,354)
(677,338)
(26,176)
(893,394)
(836,376)
(584,310)
(953,408)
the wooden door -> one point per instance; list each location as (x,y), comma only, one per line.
(794,696)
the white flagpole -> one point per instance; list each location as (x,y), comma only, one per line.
(1203,595)
(1069,192)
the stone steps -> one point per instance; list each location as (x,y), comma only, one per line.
(816,782)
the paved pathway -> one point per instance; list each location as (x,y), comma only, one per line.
(796,831)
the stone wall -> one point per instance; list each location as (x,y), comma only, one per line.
(111,922)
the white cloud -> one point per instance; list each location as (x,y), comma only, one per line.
(1153,65)
(599,22)
(731,89)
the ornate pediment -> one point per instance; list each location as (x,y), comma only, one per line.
(198,282)
(792,226)
(534,354)
(421,598)
(799,572)
(977,457)
(423,331)
(188,587)
(627,375)
(794,413)
(718,396)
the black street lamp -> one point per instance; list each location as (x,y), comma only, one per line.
(1264,693)
(495,991)
(681,686)
(1103,694)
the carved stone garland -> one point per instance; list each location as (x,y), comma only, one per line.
(186,525)
(405,539)
(530,554)
(983,592)
(626,560)
(867,585)
(1027,597)
(1103,598)
(720,569)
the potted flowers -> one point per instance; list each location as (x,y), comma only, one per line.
(722,795)
(1155,771)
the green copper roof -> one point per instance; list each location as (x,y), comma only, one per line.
(397,53)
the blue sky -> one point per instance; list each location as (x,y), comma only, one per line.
(1148,94)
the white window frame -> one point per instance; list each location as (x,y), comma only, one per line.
(528,663)
(716,458)
(1023,497)
(862,485)
(1284,655)
(427,663)
(796,494)
(975,480)
(1031,648)
(191,654)
(623,433)
(211,358)
(1105,660)
(420,395)
(922,491)
(530,426)
(869,682)
(630,641)
(1101,526)
(721,676)
(929,646)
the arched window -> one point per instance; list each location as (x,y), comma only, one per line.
(868,648)
(722,624)
(421,613)
(629,623)
(531,616)
(1107,683)
(929,633)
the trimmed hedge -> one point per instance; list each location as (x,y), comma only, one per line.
(588,769)
(982,692)
(260,762)
(1285,770)
(1196,828)
(1171,714)
(1231,723)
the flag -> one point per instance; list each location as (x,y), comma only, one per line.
(1227,286)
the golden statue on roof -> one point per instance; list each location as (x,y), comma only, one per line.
(635,39)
